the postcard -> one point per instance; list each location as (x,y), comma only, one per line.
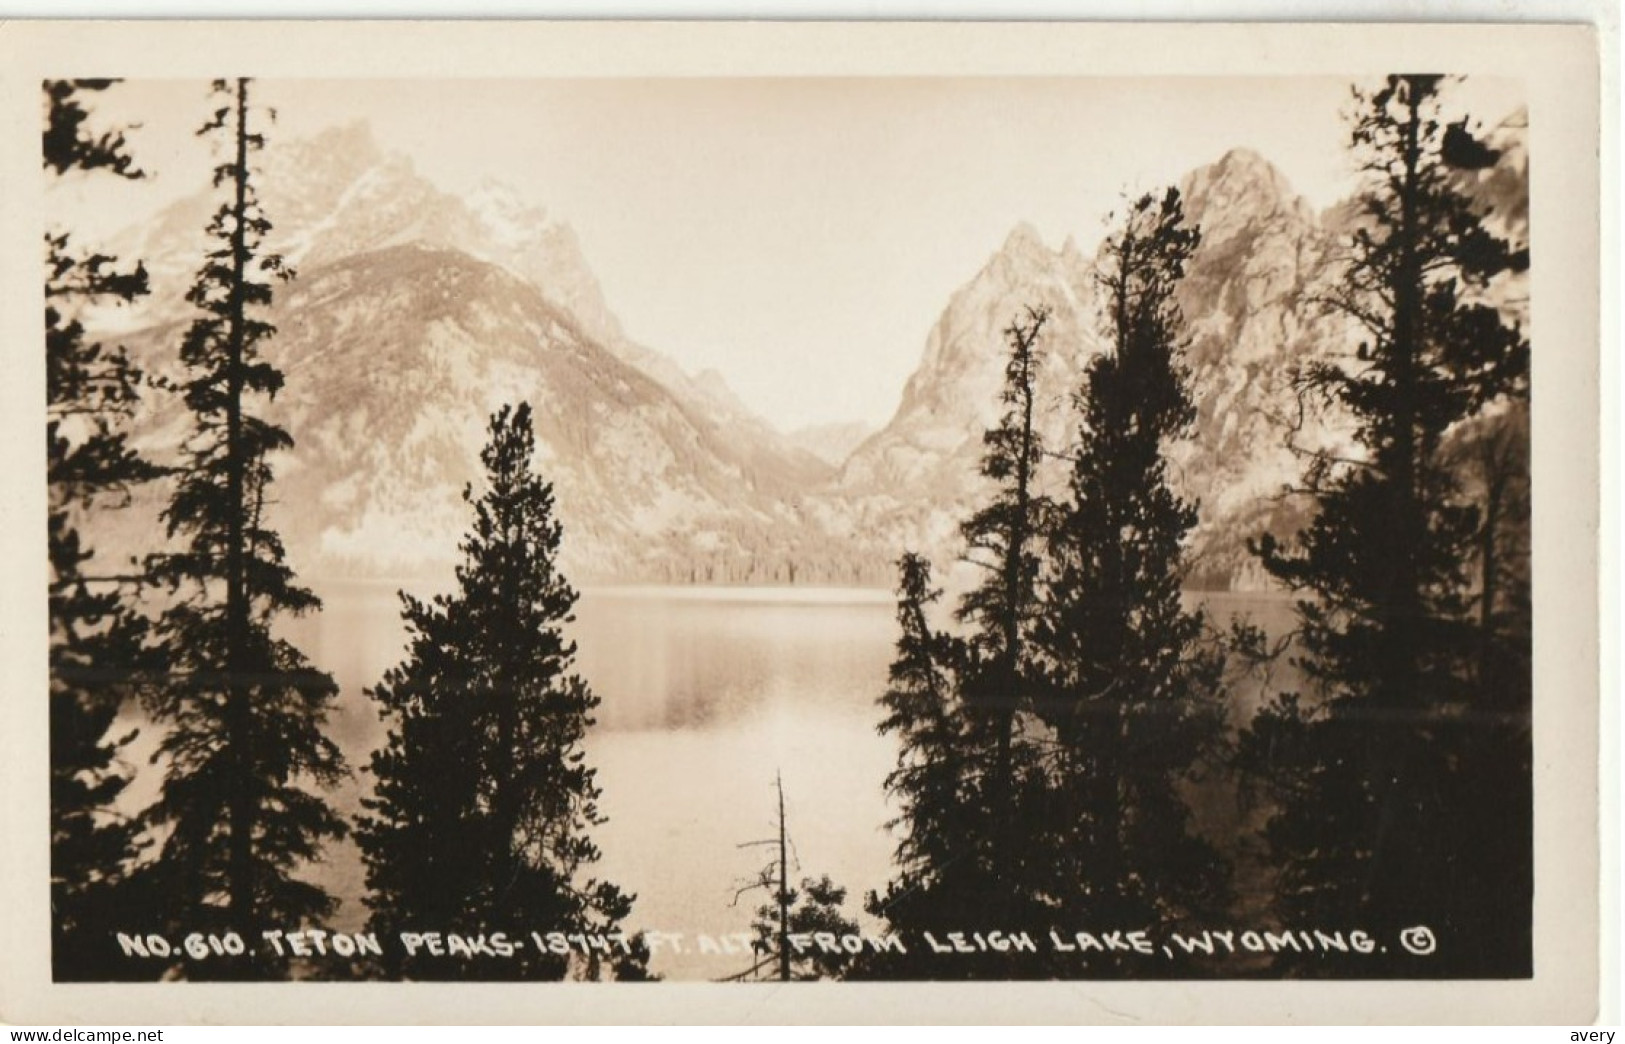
(803,521)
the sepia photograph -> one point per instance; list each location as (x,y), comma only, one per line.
(839,525)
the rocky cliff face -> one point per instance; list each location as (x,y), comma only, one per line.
(1248,302)
(1251,302)
(911,483)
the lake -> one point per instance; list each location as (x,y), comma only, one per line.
(708,695)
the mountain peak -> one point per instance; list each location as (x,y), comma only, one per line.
(1240,171)
(1024,238)
(337,153)
(355,136)
(1246,161)
(496,196)
(1023,258)
(1241,190)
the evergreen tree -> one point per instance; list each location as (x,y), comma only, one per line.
(245,710)
(1402,785)
(931,783)
(1492,793)
(1133,690)
(999,675)
(789,925)
(942,787)
(98,642)
(790,944)
(484,799)
(68,142)
(975,833)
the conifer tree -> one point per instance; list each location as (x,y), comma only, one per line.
(998,677)
(791,947)
(98,642)
(245,710)
(789,925)
(974,831)
(484,800)
(1382,817)
(68,142)
(937,818)
(1133,690)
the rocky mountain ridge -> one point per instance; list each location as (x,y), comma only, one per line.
(1261,253)
(416,313)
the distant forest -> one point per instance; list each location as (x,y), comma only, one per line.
(1054,723)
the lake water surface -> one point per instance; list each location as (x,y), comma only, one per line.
(707,695)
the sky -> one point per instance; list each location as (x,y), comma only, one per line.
(799,236)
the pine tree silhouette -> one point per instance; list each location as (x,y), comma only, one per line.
(70,145)
(1401,778)
(974,833)
(998,676)
(484,799)
(245,710)
(934,887)
(807,944)
(99,647)
(1133,691)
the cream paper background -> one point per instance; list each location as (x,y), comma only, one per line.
(1559,65)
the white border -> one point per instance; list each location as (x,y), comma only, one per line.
(1558,63)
